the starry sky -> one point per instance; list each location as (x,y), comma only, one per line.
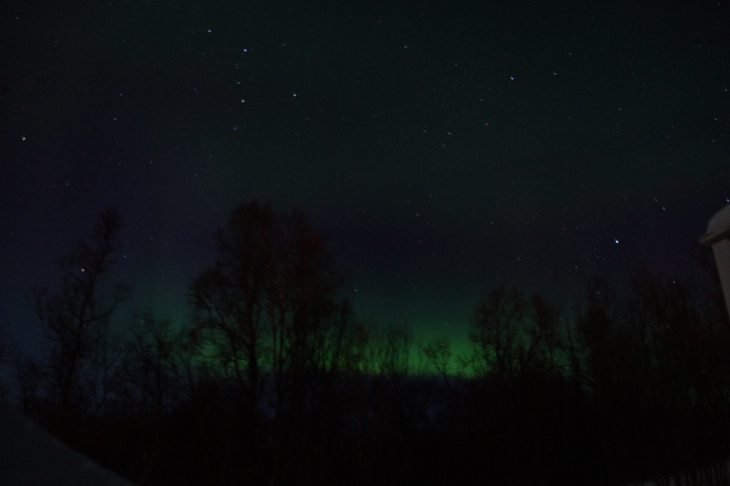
(444,148)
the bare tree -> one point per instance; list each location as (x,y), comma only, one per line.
(600,339)
(75,319)
(269,307)
(495,333)
(229,299)
(438,353)
(546,352)
(147,381)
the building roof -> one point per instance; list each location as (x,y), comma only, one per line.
(30,456)
(718,228)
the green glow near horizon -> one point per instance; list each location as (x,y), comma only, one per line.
(431,313)
(428,314)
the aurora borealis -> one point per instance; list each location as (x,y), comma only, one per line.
(443,148)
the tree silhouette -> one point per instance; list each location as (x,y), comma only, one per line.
(495,333)
(269,315)
(75,319)
(437,352)
(546,354)
(275,381)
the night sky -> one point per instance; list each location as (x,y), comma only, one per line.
(443,148)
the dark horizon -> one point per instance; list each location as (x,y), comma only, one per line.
(274,380)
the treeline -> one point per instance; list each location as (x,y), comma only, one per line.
(276,381)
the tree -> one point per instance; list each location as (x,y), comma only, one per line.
(495,333)
(599,331)
(547,347)
(517,338)
(75,320)
(148,382)
(438,353)
(269,307)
